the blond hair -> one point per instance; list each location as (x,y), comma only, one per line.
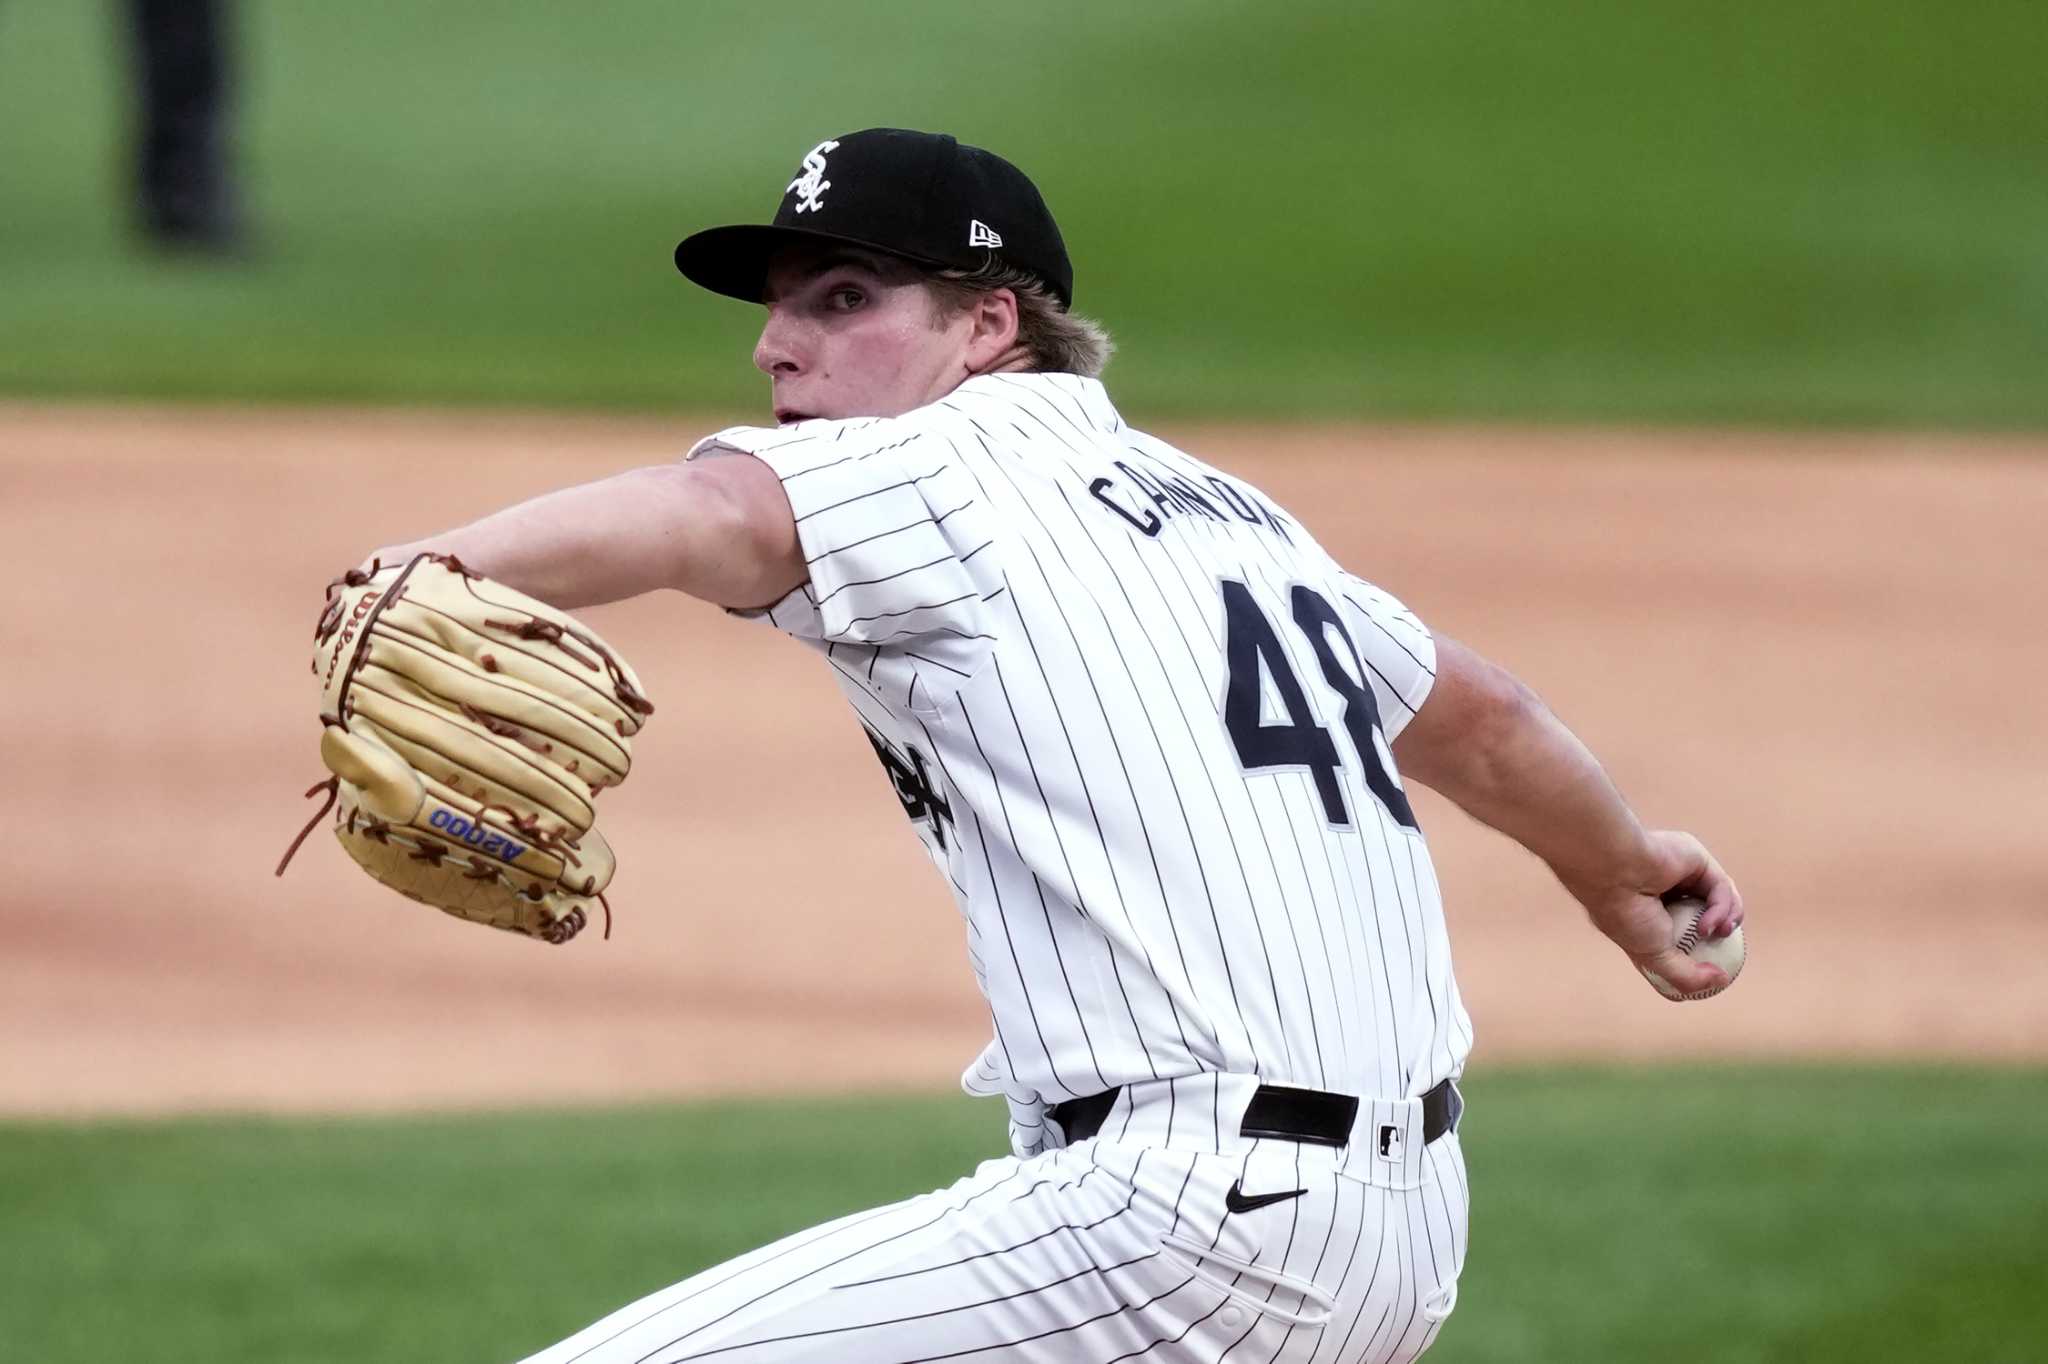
(1058,341)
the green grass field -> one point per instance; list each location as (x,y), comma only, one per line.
(1794,1214)
(1822,211)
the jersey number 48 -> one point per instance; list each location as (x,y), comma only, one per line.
(1251,645)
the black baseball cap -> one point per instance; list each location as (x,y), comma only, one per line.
(922,196)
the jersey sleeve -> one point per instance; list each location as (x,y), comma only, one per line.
(889,526)
(1396,648)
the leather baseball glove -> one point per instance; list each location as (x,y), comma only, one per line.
(469,729)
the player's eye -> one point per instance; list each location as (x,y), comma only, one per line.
(845,298)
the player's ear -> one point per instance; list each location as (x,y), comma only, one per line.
(995,329)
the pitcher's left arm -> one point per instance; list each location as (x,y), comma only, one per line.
(718,527)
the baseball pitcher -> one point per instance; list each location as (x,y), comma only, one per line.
(1156,740)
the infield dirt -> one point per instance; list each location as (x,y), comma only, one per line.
(1821,653)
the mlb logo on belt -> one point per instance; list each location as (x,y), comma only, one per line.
(1391,1139)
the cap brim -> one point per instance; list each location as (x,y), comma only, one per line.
(734,260)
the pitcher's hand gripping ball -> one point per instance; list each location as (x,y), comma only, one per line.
(469,729)
(1728,952)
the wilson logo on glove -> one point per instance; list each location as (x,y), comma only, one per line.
(355,618)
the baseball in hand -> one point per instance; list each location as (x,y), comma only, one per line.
(1727,953)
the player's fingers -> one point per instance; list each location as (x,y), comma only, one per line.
(1724,910)
(1723,900)
(1696,872)
(1682,973)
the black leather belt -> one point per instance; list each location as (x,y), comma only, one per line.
(1305,1115)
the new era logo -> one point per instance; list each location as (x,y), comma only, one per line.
(980,233)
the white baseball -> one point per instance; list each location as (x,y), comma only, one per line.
(1727,953)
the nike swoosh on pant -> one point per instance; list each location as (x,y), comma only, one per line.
(1237,1200)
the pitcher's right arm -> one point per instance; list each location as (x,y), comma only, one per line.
(1490,745)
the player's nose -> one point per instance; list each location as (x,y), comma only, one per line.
(776,354)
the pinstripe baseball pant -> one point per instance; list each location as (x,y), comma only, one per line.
(1117,1248)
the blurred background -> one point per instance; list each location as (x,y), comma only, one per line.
(1691,360)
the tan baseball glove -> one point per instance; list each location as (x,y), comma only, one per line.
(469,729)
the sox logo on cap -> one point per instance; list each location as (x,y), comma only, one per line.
(811,185)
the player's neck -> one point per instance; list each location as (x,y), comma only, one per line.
(1015,360)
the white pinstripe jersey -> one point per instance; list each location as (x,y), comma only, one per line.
(1141,721)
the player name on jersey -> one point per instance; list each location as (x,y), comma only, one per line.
(1174,496)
